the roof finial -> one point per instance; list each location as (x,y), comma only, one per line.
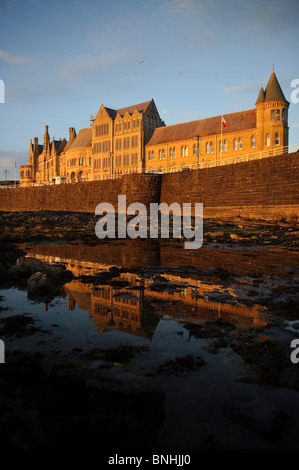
(273,68)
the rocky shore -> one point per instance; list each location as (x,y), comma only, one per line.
(93,396)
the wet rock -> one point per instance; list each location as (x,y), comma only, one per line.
(257,414)
(214,234)
(235,237)
(41,286)
(28,266)
(116,380)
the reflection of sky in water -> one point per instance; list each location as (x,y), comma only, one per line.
(77,329)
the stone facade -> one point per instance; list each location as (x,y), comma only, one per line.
(136,140)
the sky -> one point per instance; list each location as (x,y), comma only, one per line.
(60,60)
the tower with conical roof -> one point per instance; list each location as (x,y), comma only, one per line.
(272,116)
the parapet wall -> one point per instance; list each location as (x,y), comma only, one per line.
(266,189)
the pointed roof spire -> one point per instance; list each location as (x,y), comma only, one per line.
(273,91)
(261,96)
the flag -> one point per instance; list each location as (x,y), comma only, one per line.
(15,165)
(223,121)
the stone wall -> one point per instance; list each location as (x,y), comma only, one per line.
(266,189)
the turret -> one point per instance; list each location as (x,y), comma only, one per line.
(272,115)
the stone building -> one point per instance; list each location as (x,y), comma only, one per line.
(261,131)
(135,139)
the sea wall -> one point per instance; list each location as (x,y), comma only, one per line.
(265,189)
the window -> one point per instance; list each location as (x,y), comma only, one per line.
(151,155)
(171,153)
(208,147)
(235,144)
(276,138)
(240,143)
(253,141)
(225,145)
(221,145)
(194,149)
(211,147)
(134,158)
(184,151)
(174,152)
(90,160)
(267,140)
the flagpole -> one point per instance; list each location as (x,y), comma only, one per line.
(15,174)
(221,143)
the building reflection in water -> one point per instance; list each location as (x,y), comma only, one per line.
(136,309)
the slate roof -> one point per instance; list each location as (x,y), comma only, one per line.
(273,90)
(140,107)
(261,96)
(204,127)
(83,139)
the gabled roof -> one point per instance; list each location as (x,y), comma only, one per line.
(141,107)
(112,112)
(204,127)
(273,90)
(58,145)
(83,139)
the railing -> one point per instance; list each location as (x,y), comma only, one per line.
(228,161)
(175,168)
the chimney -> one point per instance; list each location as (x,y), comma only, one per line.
(35,145)
(72,135)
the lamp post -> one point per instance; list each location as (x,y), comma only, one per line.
(197,149)
(5,172)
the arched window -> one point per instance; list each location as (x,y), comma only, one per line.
(163,154)
(182,152)
(240,143)
(253,141)
(211,147)
(208,147)
(225,145)
(268,140)
(235,144)
(221,145)
(171,153)
(276,138)
(194,149)
(174,152)
(186,151)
